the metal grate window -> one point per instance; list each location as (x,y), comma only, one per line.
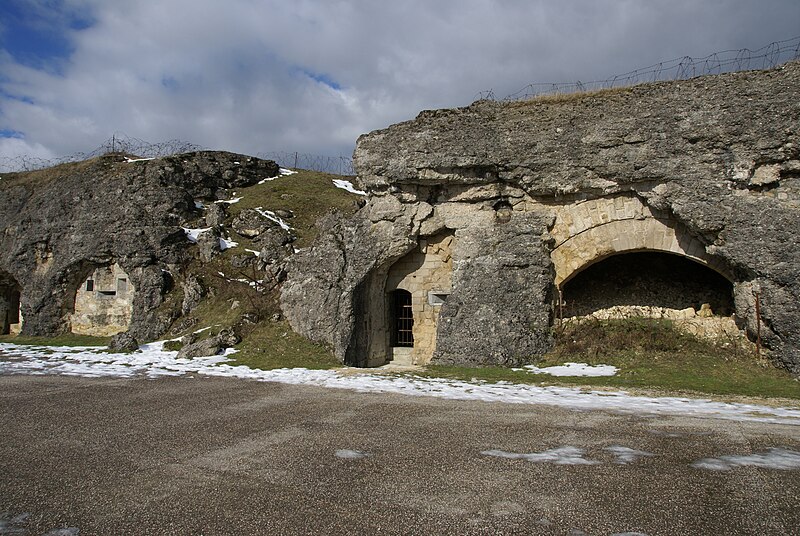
(402,319)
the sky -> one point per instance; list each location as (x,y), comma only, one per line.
(260,76)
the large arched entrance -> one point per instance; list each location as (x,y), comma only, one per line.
(645,280)
(10,294)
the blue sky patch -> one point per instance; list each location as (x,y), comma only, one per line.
(8,133)
(38,36)
(322,79)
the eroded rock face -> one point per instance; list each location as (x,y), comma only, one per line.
(535,191)
(60,224)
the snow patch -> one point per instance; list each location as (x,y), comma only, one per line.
(225,243)
(775,458)
(283,173)
(351,454)
(129,160)
(627,455)
(229,201)
(573,369)
(560,456)
(254,252)
(152,362)
(194,234)
(271,216)
(347,185)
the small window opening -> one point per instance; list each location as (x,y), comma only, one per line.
(89,285)
(122,285)
(402,319)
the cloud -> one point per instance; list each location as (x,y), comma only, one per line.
(310,76)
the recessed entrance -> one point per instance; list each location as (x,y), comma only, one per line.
(10,317)
(650,279)
(402,319)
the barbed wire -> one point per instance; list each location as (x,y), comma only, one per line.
(118,143)
(339,165)
(121,143)
(684,68)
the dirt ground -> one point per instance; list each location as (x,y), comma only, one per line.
(195,455)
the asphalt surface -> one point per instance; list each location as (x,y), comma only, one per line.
(198,455)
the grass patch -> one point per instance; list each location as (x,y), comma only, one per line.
(272,345)
(308,194)
(651,354)
(67,339)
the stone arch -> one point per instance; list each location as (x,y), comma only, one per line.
(102,300)
(10,299)
(425,274)
(646,283)
(594,230)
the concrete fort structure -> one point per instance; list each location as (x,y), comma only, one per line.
(484,224)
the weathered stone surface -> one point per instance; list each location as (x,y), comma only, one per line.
(61,223)
(707,168)
(204,348)
(250,223)
(215,214)
(193,293)
(208,244)
(123,342)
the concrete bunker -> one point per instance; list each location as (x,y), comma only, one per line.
(103,302)
(10,299)
(416,287)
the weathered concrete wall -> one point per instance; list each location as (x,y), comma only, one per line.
(535,191)
(103,303)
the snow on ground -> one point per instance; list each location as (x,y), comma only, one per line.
(775,458)
(347,185)
(229,201)
(254,252)
(152,361)
(351,454)
(283,173)
(225,243)
(129,160)
(626,455)
(194,234)
(273,217)
(559,456)
(257,284)
(573,369)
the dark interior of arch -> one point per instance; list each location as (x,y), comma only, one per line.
(9,303)
(647,279)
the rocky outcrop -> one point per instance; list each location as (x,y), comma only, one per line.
(712,162)
(60,223)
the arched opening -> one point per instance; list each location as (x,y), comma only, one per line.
(10,315)
(647,279)
(401,319)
